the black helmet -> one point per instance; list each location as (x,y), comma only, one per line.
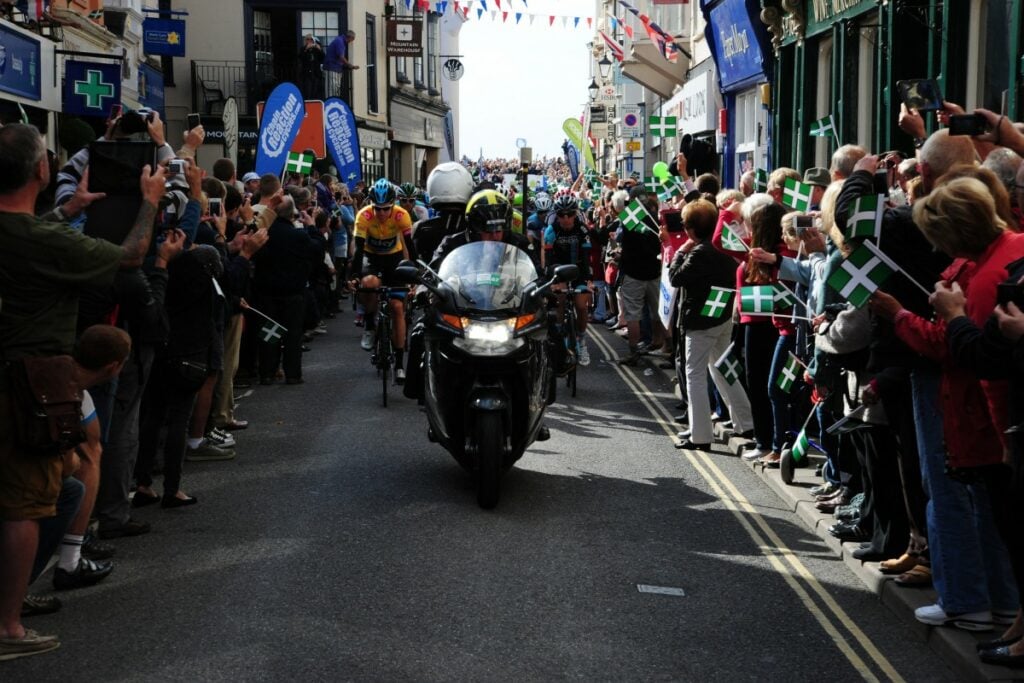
(488,211)
(565,204)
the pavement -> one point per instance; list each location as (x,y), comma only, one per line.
(956,647)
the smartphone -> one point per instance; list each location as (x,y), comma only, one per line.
(967,124)
(920,93)
(175,166)
(1010,291)
(115,111)
(803,222)
(193,121)
(214,206)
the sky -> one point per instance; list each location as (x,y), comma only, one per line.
(522,81)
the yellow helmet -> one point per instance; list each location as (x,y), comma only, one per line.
(488,211)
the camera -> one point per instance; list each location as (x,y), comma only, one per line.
(803,223)
(133,122)
(967,124)
(175,167)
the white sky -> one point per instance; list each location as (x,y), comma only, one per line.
(522,81)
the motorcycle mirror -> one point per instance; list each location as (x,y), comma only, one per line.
(567,273)
(407,272)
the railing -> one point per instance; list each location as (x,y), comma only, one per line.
(213,82)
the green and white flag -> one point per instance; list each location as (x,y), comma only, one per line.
(675,186)
(596,194)
(824,127)
(729,365)
(861,273)
(760,180)
(652,184)
(866,217)
(783,297)
(662,126)
(717,305)
(797,195)
(299,163)
(731,240)
(757,299)
(271,332)
(789,373)
(633,215)
(801,446)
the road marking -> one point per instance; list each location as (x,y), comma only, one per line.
(661,590)
(772,547)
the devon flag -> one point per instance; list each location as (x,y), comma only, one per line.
(866,217)
(824,128)
(757,299)
(801,446)
(299,163)
(717,303)
(271,332)
(790,371)
(861,273)
(662,126)
(633,215)
(783,297)
(729,365)
(797,195)
(760,180)
(731,240)
(652,184)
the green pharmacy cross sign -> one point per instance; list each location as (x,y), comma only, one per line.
(94,88)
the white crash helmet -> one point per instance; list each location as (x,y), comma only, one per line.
(542,202)
(449,183)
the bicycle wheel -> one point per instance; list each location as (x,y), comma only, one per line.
(384,353)
(572,345)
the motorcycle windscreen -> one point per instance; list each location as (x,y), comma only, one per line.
(488,276)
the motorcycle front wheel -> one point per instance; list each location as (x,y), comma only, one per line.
(490,447)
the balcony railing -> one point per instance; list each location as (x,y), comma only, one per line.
(214,82)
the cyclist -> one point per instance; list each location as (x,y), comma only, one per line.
(449,186)
(407,193)
(567,242)
(382,237)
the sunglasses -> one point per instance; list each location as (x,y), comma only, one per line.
(565,214)
(383,207)
(408,200)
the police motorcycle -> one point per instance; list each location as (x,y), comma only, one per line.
(486,370)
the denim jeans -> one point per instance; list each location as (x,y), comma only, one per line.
(970,566)
(782,401)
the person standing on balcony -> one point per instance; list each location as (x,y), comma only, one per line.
(336,63)
(311,60)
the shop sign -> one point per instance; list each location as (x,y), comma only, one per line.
(19,64)
(697,108)
(824,13)
(151,88)
(405,37)
(634,145)
(91,87)
(165,37)
(372,139)
(737,51)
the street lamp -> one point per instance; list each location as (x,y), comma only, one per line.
(605,67)
(593,90)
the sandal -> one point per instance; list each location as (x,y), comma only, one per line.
(919,576)
(904,563)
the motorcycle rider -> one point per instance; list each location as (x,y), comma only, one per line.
(449,187)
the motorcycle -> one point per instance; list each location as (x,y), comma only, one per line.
(486,371)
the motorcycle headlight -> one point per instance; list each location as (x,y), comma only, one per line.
(488,338)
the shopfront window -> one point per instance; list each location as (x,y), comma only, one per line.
(822,104)
(322,25)
(432,26)
(372,104)
(865,111)
(373,164)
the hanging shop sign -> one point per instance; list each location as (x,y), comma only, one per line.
(151,88)
(19,64)
(91,87)
(453,69)
(737,51)
(164,37)
(697,108)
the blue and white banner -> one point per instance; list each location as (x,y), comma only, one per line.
(164,37)
(572,158)
(343,141)
(282,118)
(91,87)
(20,67)
(151,88)
(449,134)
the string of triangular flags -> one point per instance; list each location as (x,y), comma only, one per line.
(499,10)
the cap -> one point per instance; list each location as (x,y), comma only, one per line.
(250,176)
(637,191)
(817,176)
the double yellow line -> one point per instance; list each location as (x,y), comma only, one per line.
(832,618)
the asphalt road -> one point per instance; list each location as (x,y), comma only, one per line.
(342,545)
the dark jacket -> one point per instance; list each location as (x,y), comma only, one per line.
(284,264)
(697,272)
(640,252)
(904,243)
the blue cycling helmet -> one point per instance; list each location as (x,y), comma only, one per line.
(382,193)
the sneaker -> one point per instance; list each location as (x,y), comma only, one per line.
(632,360)
(95,549)
(129,528)
(826,489)
(399,376)
(32,644)
(934,615)
(87,573)
(358,320)
(208,451)
(754,454)
(34,605)
(1003,618)
(582,353)
(320,329)
(367,341)
(220,438)
(611,323)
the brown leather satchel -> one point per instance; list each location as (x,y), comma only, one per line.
(47,404)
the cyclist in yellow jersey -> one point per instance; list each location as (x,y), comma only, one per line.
(381,233)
